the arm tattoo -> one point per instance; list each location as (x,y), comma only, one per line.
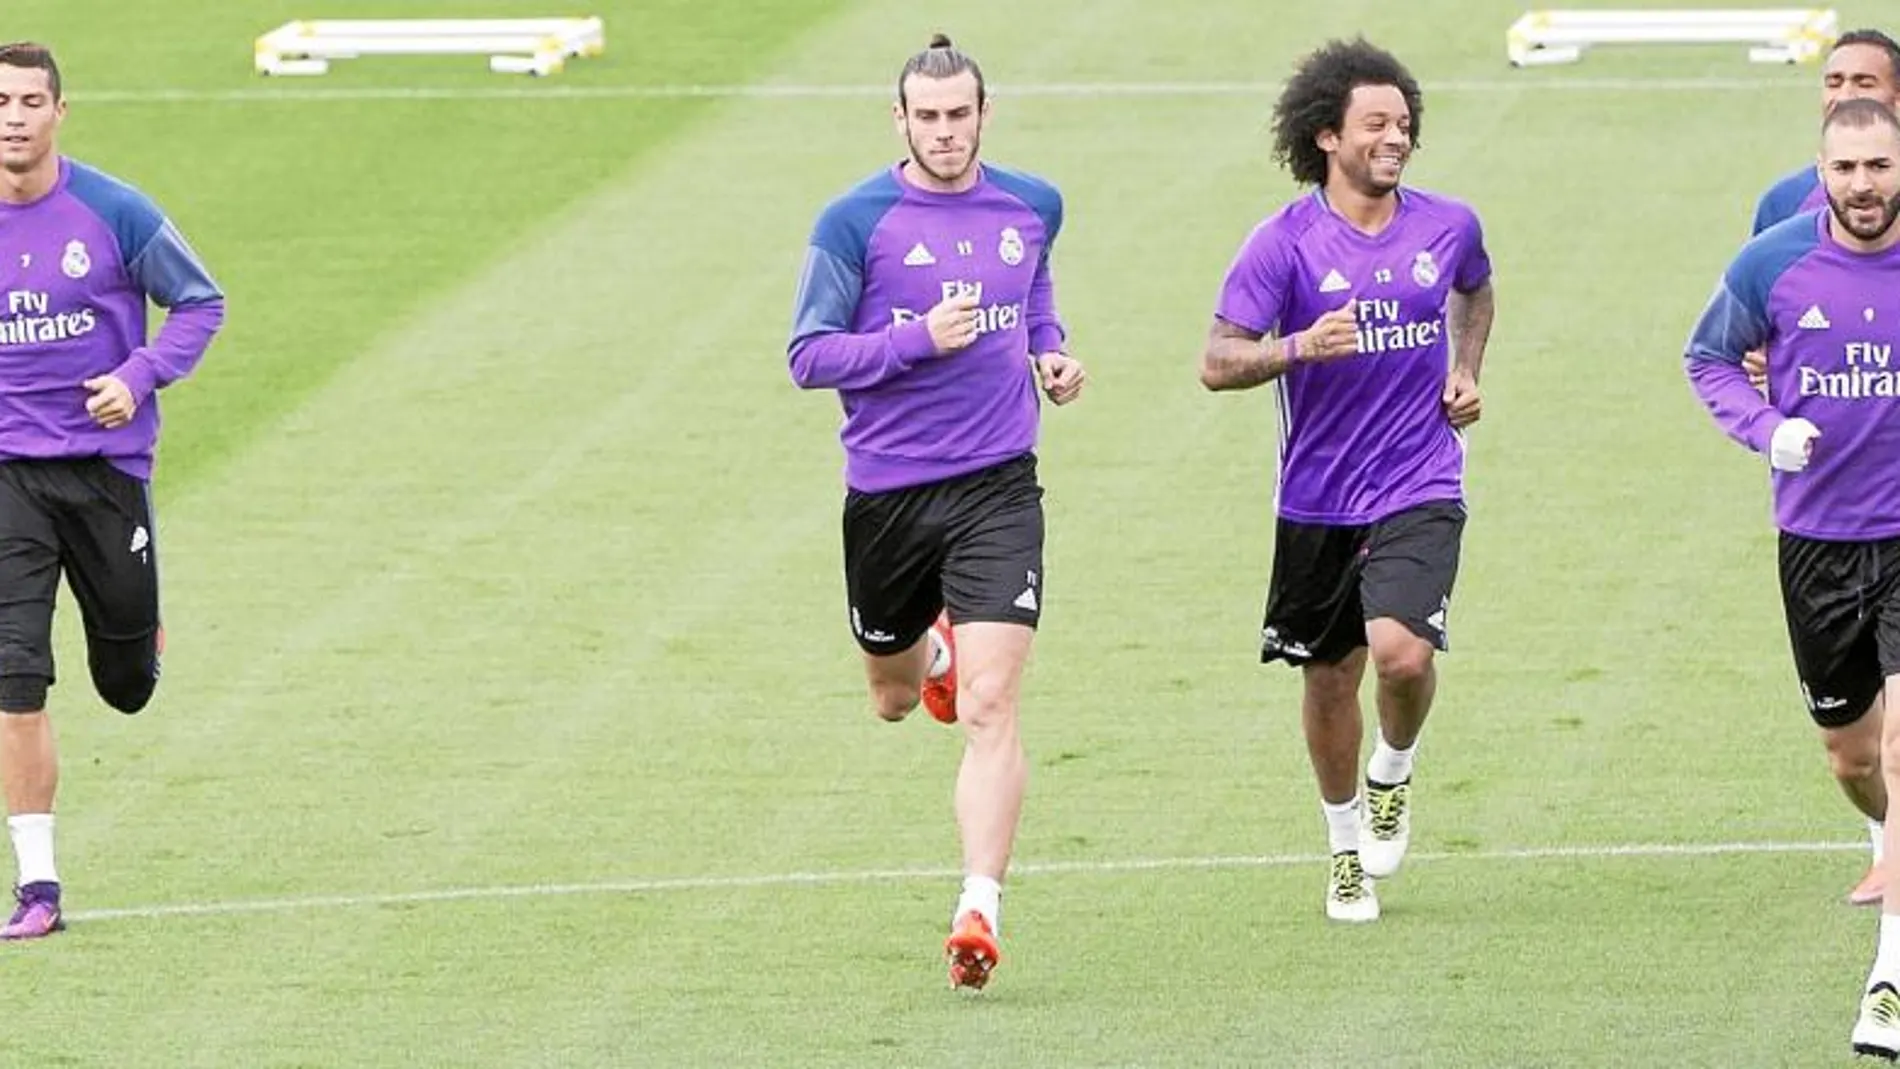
(1471,315)
(1238,359)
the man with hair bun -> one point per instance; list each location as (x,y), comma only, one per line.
(926,302)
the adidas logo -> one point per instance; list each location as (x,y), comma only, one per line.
(1026,600)
(1813,319)
(139,538)
(918,256)
(1333,283)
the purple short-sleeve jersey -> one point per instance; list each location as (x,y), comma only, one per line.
(1364,436)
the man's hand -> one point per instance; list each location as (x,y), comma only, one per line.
(1755,363)
(111,404)
(1062,376)
(1331,336)
(1463,403)
(1792,444)
(953,323)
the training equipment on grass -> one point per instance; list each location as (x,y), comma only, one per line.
(1779,35)
(513,46)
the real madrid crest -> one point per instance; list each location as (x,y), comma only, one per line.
(75,263)
(1010,247)
(1424,270)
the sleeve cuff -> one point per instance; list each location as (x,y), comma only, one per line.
(1763,432)
(1046,339)
(136,372)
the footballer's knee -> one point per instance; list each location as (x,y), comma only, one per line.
(128,695)
(1853,763)
(1402,661)
(893,701)
(124,673)
(1853,750)
(986,701)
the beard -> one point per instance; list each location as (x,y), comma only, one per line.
(1890,210)
(939,169)
(1359,174)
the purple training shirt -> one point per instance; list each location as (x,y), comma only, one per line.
(880,258)
(1365,436)
(1831,324)
(77,268)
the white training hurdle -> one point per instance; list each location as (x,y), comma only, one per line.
(1779,35)
(513,46)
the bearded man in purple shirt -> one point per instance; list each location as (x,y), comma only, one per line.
(1863,64)
(926,302)
(81,255)
(1817,292)
(1352,302)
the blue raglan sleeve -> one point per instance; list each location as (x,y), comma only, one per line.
(164,267)
(824,352)
(1736,321)
(1783,200)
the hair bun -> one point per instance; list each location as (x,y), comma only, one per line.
(940,40)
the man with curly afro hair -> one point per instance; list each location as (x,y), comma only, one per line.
(1366,303)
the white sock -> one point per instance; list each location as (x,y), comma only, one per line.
(1877,832)
(939,656)
(1389,766)
(33,847)
(1887,959)
(1342,824)
(984,895)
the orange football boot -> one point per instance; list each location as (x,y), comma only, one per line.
(972,951)
(940,693)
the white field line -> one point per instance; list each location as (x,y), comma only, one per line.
(838,878)
(303,92)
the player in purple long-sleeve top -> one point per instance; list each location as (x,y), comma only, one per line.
(1353,302)
(1818,293)
(1861,65)
(81,256)
(926,303)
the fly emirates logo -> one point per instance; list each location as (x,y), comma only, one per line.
(28,321)
(1868,372)
(989,317)
(1381,330)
